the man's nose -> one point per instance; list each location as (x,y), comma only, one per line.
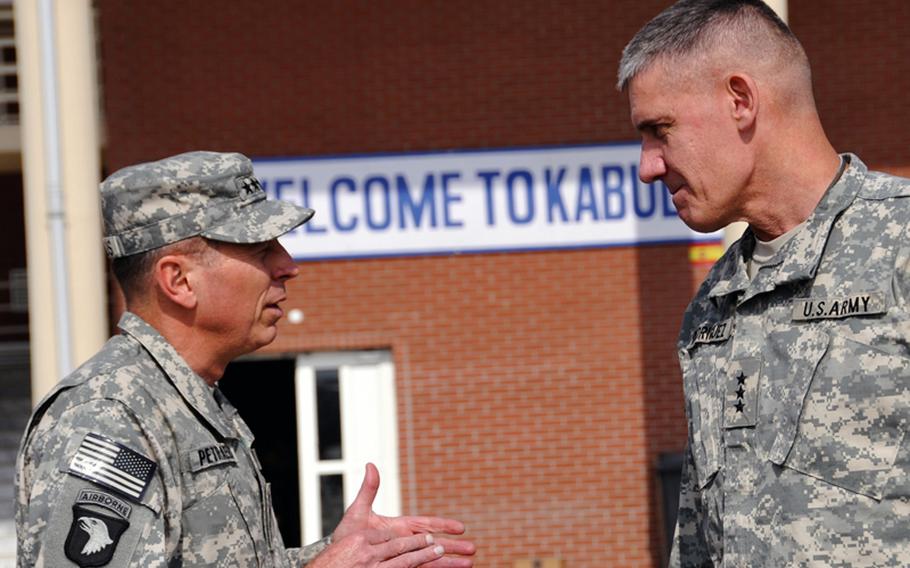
(285,267)
(651,166)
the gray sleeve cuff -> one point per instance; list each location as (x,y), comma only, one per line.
(306,554)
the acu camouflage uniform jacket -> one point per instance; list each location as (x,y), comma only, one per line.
(131,461)
(797,389)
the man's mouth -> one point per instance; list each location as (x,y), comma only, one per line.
(275,312)
(678,196)
(274,304)
(675,188)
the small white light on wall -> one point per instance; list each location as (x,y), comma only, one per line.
(295,316)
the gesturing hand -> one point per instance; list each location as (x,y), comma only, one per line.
(378,549)
(360,517)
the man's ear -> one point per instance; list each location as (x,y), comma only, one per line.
(743,96)
(172,278)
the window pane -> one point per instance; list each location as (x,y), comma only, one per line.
(331,494)
(328,411)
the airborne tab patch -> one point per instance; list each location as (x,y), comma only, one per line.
(110,464)
(838,307)
(106,500)
(713,332)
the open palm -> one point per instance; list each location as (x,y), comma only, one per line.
(360,517)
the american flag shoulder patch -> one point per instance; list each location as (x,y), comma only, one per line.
(113,465)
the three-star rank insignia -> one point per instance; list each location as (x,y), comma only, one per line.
(741,393)
(249,186)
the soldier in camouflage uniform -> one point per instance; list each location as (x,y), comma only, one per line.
(795,352)
(136,458)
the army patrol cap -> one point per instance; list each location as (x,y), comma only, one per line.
(208,194)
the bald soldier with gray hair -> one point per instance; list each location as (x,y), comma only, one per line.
(794,352)
(137,459)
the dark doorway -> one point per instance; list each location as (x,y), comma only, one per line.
(669,472)
(263,392)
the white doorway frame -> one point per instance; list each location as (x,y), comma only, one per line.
(369,429)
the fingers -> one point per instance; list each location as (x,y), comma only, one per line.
(407,552)
(438,525)
(450,562)
(367,492)
(383,549)
(461,547)
(411,551)
(379,549)
(402,545)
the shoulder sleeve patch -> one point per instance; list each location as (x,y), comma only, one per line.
(93,537)
(112,465)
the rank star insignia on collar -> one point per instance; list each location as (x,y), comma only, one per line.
(741,396)
(93,537)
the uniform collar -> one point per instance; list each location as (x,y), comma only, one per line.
(799,258)
(191,386)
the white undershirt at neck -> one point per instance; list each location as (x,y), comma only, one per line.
(765,250)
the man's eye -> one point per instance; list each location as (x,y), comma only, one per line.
(257,250)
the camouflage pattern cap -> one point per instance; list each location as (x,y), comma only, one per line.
(209,194)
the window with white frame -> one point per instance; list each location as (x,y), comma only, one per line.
(346,417)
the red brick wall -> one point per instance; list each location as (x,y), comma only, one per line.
(285,78)
(539,398)
(861,72)
(543,385)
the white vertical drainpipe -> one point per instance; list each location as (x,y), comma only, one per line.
(56,207)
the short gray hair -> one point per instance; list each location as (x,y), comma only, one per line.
(689,25)
(133,273)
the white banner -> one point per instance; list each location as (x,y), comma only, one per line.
(473,201)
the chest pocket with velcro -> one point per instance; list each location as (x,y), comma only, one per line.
(854,416)
(216,531)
